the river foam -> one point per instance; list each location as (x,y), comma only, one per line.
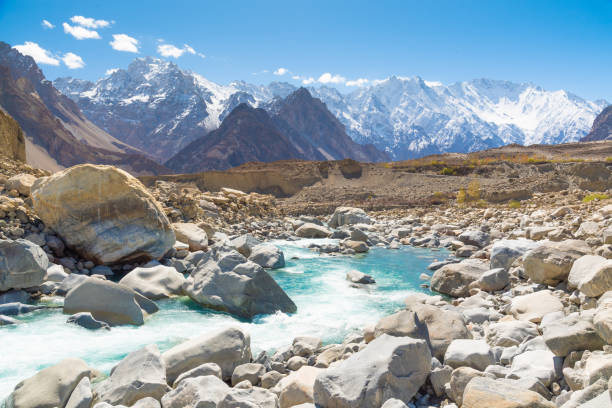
(328,307)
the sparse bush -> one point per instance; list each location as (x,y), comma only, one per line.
(473,191)
(447,171)
(461,196)
(514,204)
(595,197)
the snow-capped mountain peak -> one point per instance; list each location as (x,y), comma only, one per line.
(158,107)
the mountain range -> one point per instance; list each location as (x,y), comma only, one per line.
(159,108)
(296,127)
(56,132)
(602,127)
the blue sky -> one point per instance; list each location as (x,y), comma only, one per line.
(555,44)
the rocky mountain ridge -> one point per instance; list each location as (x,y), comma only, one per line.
(602,127)
(155,100)
(12,138)
(57,133)
(296,127)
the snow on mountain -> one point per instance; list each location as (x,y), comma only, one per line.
(152,105)
(410,117)
(159,108)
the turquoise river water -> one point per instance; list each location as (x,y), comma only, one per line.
(328,307)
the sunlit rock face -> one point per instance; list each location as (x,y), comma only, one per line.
(104,214)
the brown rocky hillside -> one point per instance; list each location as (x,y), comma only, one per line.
(12,139)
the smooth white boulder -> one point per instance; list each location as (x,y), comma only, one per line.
(389,367)
(23,264)
(228,348)
(142,373)
(469,353)
(156,282)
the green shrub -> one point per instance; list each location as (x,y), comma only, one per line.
(461,196)
(514,204)
(595,196)
(473,191)
(447,171)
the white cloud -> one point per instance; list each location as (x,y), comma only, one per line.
(281,71)
(308,81)
(358,82)
(296,77)
(111,71)
(73,61)
(328,78)
(47,24)
(40,55)
(89,22)
(123,42)
(169,50)
(80,33)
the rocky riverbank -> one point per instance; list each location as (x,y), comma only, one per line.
(520,315)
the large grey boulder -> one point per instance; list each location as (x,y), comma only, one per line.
(141,374)
(245,244)
(254,397)
(81,396)
(110,302)
(505,251)
(476,238)
(15,296)
(104,214)
(200,371)
(582,268)
(23,264)
(459,379)
(389,367)
(455,279)
(494,280)
(486,392)
(309,230)
(355,276)
(603,317)
(246,290)
(298,387)
(71,281)
(87,321)
(469,353)
(510,333)
(405,323)
(443,326)
(251,372)
(534,306)
(572,333)
(597,279)
(267,256)
(16,309)
(228,348)
(538,364)
(21,182)
(191,235)
(50,387)
(348,216)
(592,367)
(549,264)
(156,282)
(199,392)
